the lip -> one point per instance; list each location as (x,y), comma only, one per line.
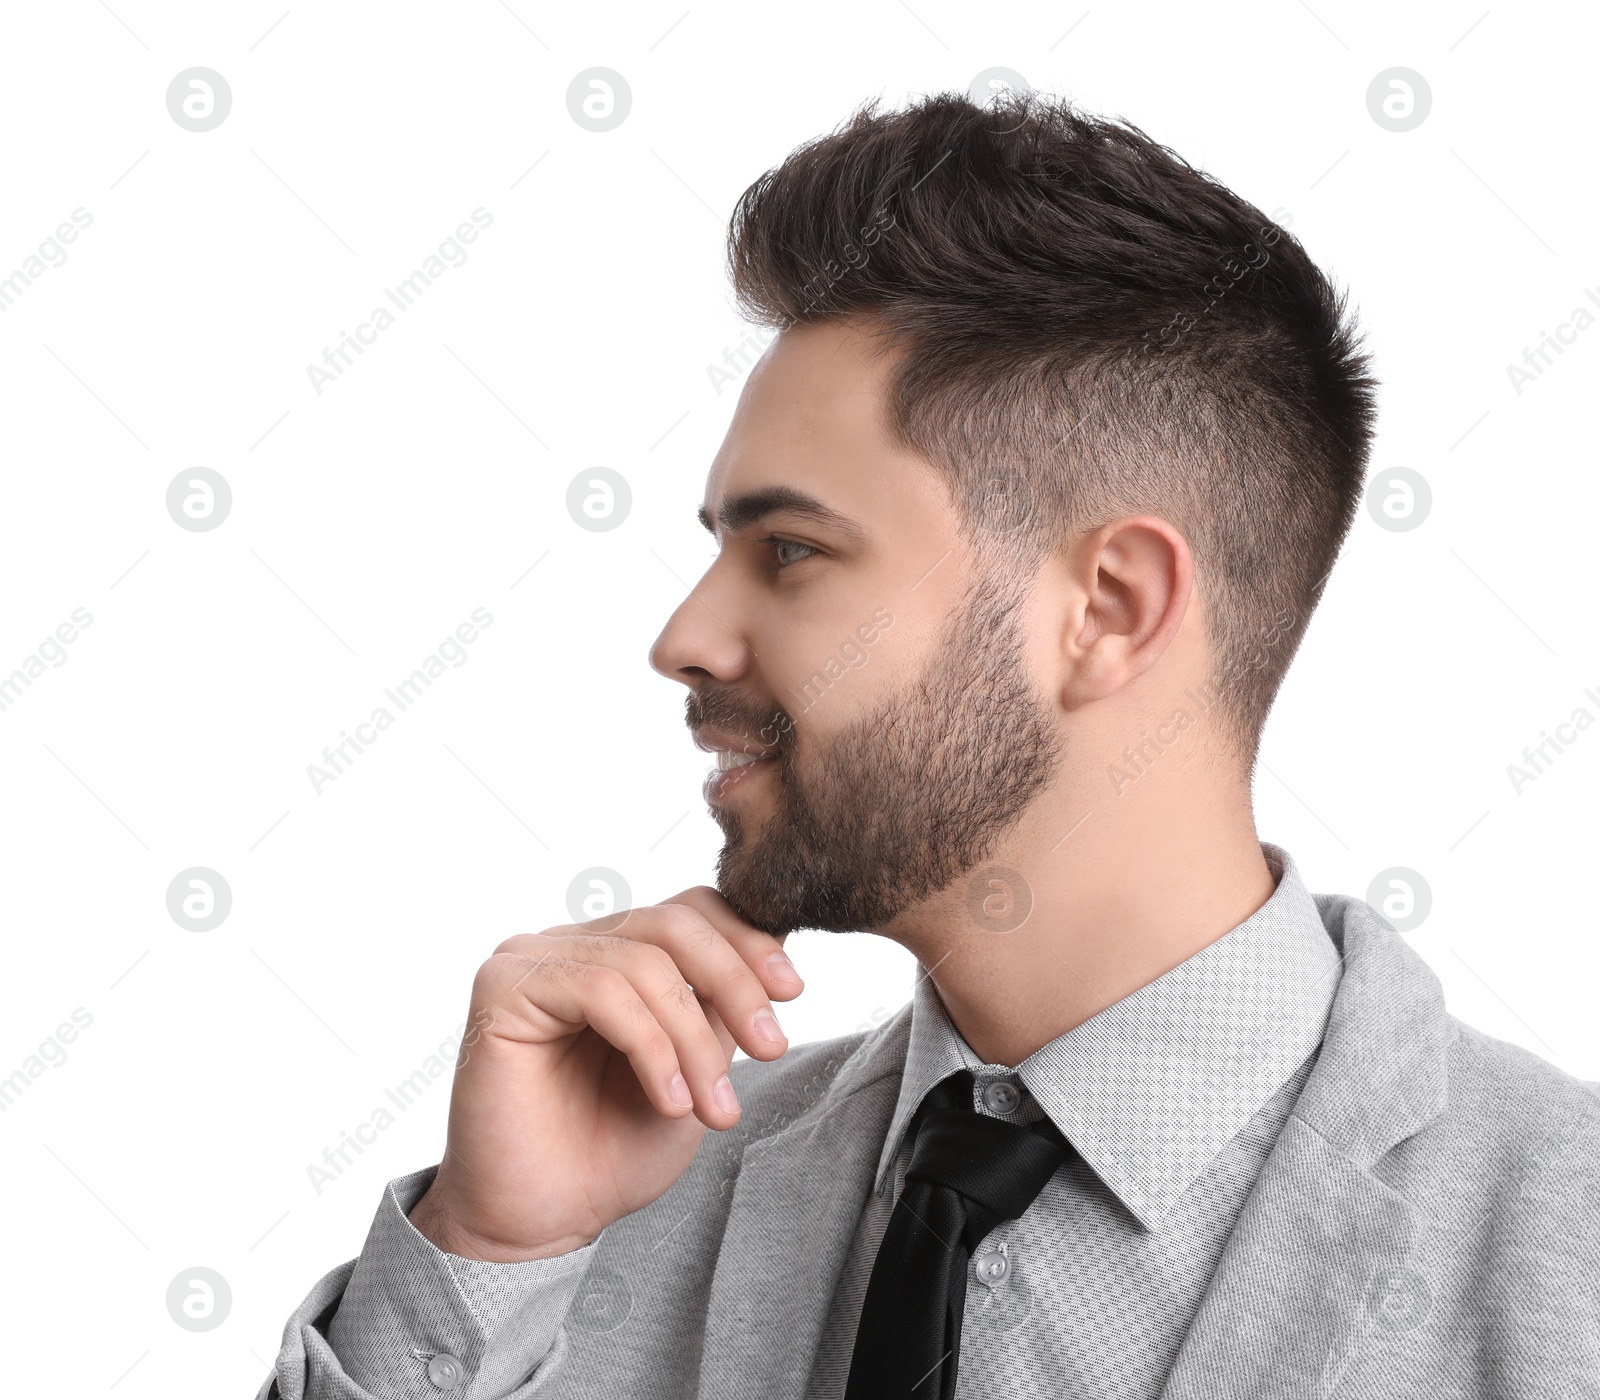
(720,740)
(722,783)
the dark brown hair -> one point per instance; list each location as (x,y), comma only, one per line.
(1091,328)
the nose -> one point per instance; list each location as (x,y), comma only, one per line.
(701,639)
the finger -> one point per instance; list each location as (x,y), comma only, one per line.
(577,992)
(708,962)
(719,1028)
(661,983)
(762,952)
(718,972)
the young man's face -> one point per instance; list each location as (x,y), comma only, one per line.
(878,671)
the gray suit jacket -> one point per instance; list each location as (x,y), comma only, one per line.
(1427,1224)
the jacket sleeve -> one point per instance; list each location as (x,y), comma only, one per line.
(372,1328)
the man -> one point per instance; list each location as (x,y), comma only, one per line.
(1021,518)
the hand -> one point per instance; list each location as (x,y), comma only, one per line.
(600,1059)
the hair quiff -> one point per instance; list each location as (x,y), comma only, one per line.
(1091,328)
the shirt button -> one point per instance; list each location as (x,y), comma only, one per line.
(445,1371)
(1001,1096)
(992,1266)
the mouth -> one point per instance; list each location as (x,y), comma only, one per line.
(740,760)
(735,770)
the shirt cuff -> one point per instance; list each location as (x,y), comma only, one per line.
(494,1322)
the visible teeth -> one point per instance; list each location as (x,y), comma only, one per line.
(727,760)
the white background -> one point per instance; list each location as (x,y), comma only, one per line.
(430,479)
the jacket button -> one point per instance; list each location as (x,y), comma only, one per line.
(445,1371)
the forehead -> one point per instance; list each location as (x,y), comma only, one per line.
(812,418)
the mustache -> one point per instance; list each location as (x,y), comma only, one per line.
(770,727)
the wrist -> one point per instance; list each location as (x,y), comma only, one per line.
(439,1220)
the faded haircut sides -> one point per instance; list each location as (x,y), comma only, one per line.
(1091,328)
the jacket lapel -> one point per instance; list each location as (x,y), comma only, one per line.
(790,1226)
(1317,1267)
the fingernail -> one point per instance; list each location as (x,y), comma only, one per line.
(722,1092)
(766,1025)
(678,1091)
(782,967)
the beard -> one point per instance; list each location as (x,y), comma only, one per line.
(900,803)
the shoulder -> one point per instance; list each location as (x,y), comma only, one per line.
(1487,1108)
(1516,1143)
(1518,1106)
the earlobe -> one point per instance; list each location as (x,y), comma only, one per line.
(1141,571)
(1087,681)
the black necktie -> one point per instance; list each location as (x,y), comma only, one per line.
(967,1174)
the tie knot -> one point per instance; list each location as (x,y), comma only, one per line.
(998,1168)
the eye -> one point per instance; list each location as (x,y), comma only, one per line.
(780,545)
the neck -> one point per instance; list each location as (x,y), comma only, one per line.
(1144,881)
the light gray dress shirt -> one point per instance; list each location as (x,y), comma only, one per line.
(1172,1098)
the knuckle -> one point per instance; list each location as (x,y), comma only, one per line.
(605,943)
(508,963)
(682,997)
(605,923)
(534,943)
(636,1010)
(505,976)
(703,933)
(600,976)
(656,1043)
(659,961)
(679,920)
(516,943)
(642,1033)
(696,931)
(551,967)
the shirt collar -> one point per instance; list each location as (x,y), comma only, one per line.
(1151,1089)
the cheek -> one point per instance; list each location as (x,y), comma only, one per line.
(825,676)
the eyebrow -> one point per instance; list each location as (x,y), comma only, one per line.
(736,512)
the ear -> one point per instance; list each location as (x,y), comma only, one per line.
(1133,579)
